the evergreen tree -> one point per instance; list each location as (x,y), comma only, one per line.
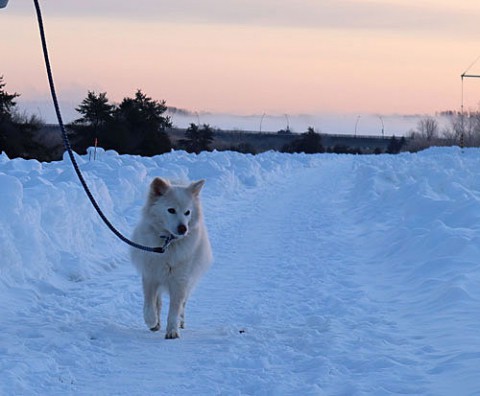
(309,142)
(7,103)
(95,110)
(141,125)
(136,126)
(97,116)
(395,145)
(196,139)
(17,131)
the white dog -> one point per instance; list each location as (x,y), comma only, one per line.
(173,216)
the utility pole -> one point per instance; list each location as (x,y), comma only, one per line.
(383,126)
(462,136)
(356,125)
(261,122)
(288,123)
(463,76)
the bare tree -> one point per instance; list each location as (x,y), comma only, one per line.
(428,128)
(464,126)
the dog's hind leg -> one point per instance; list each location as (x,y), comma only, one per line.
(151,304)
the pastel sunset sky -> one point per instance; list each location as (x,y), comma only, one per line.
(250,56)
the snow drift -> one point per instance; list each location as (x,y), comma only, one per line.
(334,274)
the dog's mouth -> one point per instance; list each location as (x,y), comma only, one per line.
(167,239)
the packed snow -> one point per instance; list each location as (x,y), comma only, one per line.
(333,275)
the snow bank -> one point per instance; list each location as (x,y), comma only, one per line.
(334,274)
(47,225)
(420,215)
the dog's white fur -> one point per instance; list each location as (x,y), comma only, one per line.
(171,210)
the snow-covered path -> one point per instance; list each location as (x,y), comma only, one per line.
(327,281)
(257,316)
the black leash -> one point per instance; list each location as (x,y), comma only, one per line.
(66,142)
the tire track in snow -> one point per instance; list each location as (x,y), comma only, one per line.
(302,310)
(309,323)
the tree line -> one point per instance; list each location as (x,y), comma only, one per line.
(17,131)
(137,125)
(463,129)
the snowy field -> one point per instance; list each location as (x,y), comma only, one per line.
(333,275)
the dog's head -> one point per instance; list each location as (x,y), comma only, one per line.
(174,209)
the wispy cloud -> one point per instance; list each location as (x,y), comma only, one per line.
(388,56)
(322,14)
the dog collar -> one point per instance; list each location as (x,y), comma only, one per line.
(167,240)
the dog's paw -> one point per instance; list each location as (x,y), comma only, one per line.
(171,335)
(151,319)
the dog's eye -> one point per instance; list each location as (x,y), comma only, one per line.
(171,210)
(187,213)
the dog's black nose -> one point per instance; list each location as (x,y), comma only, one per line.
(182,229)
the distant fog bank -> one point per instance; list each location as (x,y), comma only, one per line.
(361,124)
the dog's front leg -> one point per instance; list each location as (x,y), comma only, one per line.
(151,304)
(177,301)
(182,315)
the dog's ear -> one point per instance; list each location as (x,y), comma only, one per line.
(159,187)
(195,187)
